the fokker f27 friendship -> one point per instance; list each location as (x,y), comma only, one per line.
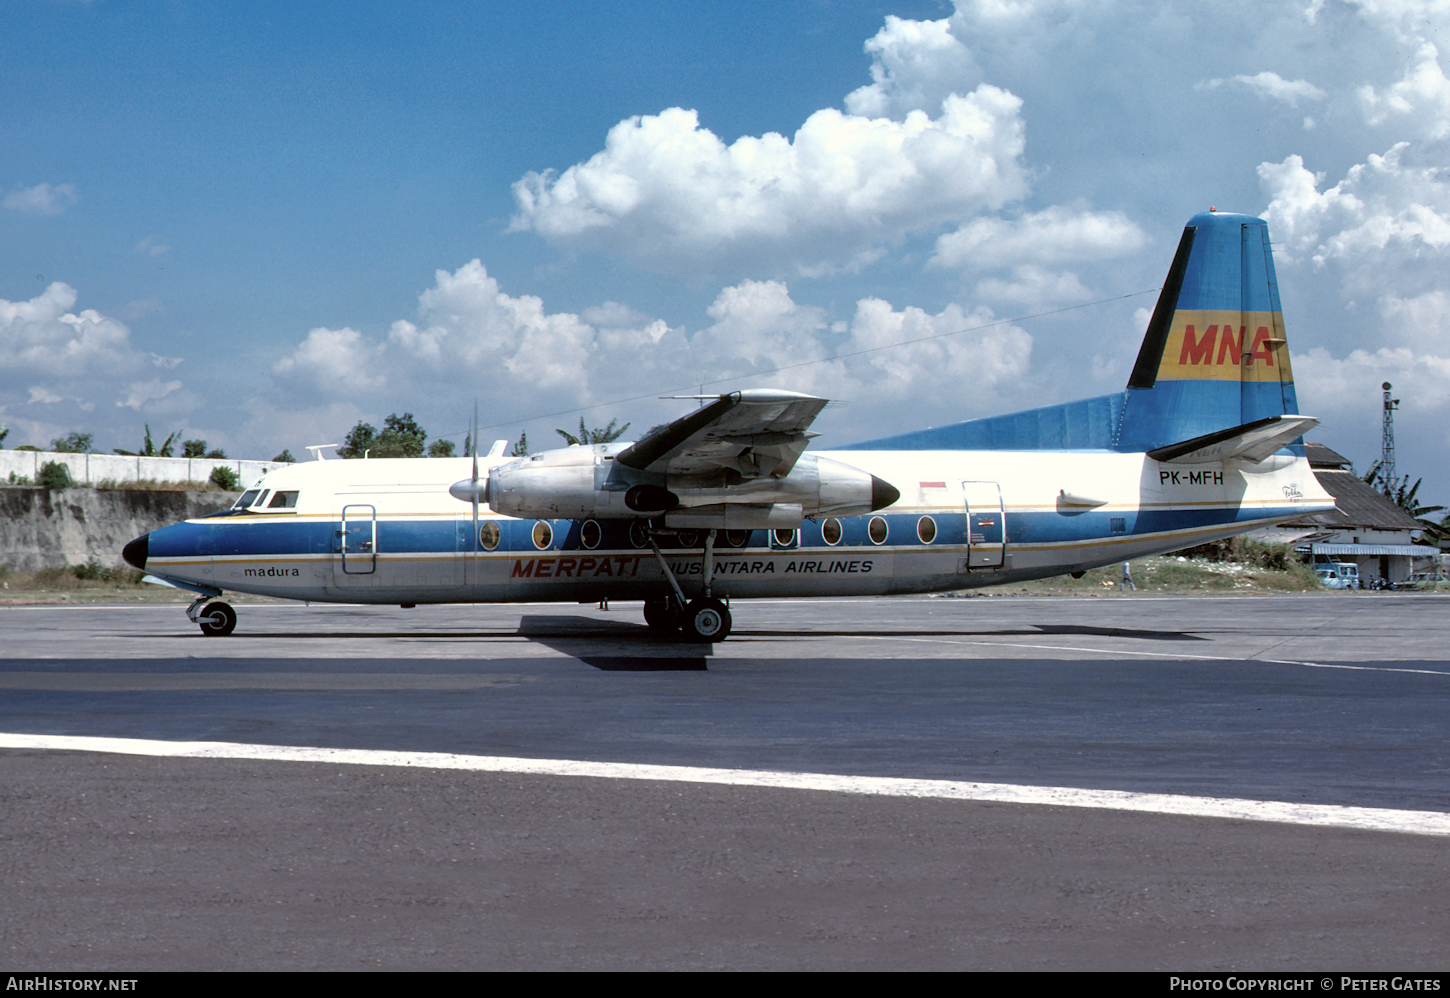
(725,503)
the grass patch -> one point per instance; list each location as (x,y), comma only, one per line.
(155,485)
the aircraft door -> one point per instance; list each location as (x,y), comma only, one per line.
(356,545)
(986,525)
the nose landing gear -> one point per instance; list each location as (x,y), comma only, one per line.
(217,620)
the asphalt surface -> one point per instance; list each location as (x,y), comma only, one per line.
(122,862)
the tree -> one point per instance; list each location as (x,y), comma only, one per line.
(603,435)
(4,432)
(193,448)
(285,456)
(224,478)
(74,443)
(521,449)
(440,448)
(401,437)
(358,440)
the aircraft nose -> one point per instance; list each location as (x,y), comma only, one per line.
(135,553)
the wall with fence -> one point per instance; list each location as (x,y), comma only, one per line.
(91,469)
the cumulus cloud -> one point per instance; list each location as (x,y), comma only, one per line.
(43,336)
(42,199)
(1381,204)
(332,361)
(69,361)
(1422,96)
(915,65)
(1058,234)
(522,361)
(669,193)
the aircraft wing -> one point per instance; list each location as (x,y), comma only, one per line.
(749,434)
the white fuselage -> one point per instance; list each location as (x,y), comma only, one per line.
(388,531)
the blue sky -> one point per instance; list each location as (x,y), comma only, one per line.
(257,224)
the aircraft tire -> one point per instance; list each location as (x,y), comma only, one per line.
(663,614)
(707,620)
(218,620)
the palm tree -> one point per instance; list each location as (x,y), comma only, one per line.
(605,435)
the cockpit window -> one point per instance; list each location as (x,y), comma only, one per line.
(283,500)
(248,497)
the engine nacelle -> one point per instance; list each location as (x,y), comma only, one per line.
(580,483)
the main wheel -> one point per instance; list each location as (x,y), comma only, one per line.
(217,620)
(707,620)
(663,614)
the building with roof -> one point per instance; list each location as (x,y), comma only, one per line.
(1367,528)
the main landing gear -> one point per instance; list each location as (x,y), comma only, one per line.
(703,619)
(706,619)
(217,619)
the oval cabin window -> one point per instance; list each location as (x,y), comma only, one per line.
(877,530)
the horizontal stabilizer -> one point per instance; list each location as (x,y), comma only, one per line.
(1250,442)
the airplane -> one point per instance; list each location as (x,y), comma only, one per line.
(726,503)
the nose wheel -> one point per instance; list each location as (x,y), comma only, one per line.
(216,620)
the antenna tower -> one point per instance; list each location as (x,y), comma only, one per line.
(1387,445)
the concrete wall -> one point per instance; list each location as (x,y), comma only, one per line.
(90,469)
(51,528)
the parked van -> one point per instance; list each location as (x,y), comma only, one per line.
(1337,574)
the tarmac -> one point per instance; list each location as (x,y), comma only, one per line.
(1137,783)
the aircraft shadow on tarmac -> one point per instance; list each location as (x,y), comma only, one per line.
(615,646)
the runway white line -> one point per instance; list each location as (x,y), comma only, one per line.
(1321,815)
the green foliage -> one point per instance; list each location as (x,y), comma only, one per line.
(94,571)
(440,448)
(149,448)
(286,456)
(152,485)
(19,479)
(193,448)
(521,449)
(357,441)
(1398,491)
(75,443)
(225,479)
(53,475)
(602,435)
(4,432)
(27,447)
(401,436)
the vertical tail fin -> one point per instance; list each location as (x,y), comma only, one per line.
(1215,354)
